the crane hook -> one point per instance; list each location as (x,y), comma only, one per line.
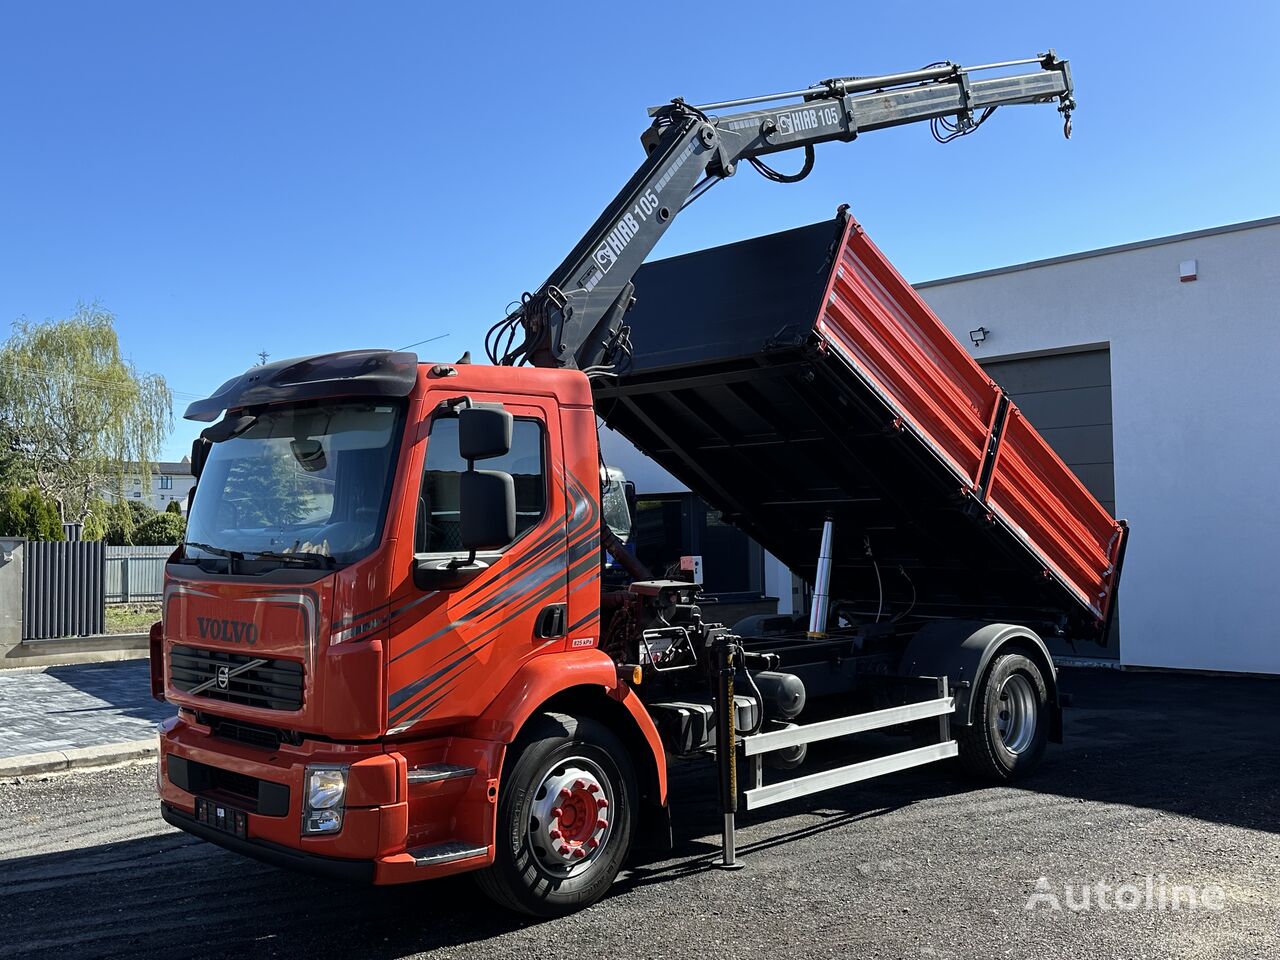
(1065,107)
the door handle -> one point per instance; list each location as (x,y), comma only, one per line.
(550,624)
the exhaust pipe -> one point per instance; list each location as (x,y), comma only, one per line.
(821,585)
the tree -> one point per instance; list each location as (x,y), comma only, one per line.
(266,492)
(29,513)
(163,529)
(78,414)
(139,512)
(173,507)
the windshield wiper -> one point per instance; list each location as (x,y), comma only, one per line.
(210,548)
(305,559)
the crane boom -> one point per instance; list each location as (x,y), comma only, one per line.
(576,318)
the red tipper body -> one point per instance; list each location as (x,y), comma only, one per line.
(821,385)
(891,337)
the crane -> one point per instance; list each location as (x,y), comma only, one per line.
(577,317)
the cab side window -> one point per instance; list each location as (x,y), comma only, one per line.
(438,528)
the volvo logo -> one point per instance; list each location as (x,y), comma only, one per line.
(228,631)
(224,677)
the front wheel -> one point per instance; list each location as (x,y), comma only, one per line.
(1010,728)
(565,817)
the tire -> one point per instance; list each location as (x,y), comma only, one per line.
(574,762)
(1010,728)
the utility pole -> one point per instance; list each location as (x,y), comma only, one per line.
(263,357)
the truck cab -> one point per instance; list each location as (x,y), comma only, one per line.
(347,669)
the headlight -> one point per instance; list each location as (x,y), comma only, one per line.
(326,788)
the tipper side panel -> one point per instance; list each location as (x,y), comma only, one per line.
(906,354)
(1036,494)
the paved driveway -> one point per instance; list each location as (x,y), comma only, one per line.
(86,705)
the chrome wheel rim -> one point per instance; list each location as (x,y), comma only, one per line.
(571,816)
(1016,713)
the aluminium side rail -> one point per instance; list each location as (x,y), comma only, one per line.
(755,746)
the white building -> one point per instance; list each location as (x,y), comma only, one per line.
(1152,369)
(169,481)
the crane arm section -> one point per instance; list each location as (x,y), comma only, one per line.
(576,318)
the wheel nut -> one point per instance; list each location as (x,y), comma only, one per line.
(593,788)
(593,843)
(602,803)
(601,823)
(564,850)
(564,795)
(579,853)
(554,834)
(579,784)
(557,813)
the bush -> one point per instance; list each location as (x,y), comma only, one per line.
(26,512)
(173,507)
(161,529)
(140,512)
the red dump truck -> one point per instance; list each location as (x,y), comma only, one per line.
(405,636)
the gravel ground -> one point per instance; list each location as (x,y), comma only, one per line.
(1162,776)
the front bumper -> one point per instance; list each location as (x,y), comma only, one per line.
(353,871)
(387,823)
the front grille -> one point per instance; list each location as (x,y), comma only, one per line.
(274,684)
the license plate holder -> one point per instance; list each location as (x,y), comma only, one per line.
(222,817)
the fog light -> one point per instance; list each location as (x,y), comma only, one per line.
(322,821)
(325,791)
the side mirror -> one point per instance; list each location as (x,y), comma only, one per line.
(487,521)
(484,433)
(200,448)
(487,508)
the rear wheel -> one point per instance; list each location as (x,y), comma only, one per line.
(565,817)
(1010,726)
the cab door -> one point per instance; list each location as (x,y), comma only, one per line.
(452,649)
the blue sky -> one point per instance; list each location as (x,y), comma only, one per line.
(296,178)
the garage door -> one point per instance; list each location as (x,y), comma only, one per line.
(1067,398)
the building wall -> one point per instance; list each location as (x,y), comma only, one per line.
(158,496)
(1196,419)
(11,557)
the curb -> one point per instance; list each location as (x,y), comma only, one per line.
(78,758)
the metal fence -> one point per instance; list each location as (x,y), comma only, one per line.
(135,573)
(62,589)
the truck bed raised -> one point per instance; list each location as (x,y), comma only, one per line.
(797,375)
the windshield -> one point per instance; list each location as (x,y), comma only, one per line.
(302,485)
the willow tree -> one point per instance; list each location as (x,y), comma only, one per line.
(80,416)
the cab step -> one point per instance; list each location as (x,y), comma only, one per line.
(447,852)
(435,772)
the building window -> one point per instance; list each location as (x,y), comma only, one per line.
(166,483)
